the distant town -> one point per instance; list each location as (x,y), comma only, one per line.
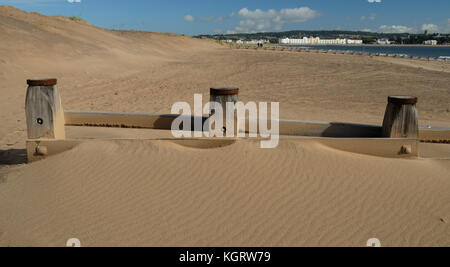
(333,38)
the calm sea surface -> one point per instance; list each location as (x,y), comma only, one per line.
(412,51)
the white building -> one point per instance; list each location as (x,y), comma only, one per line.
(430,42)
(318,41)
(357,42)
(252,42)
(383,41)
(257,42)
(303,41)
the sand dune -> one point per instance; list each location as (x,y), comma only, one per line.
(159,193)
(163,194)
(84,58)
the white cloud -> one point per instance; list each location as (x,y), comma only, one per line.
(260,21)
(396,29)
(374,1)
(74,1)
(189,18)
(431,28)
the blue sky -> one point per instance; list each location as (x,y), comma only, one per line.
(219,16)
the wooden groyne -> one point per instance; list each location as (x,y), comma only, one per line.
(46,122)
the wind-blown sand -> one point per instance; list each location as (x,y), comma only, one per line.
(160,193)
(164,194)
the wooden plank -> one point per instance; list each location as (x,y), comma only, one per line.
(123,120)
(323,129)
(164,122)
(287,127)
(329,129)
(434,135)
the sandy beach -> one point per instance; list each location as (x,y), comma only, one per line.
(162,193)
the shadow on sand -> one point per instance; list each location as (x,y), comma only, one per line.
(13,157)
(350,130)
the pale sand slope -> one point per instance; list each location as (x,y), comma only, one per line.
(163,194)
(91,64)
(120,193)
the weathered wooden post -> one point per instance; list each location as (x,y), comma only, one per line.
(44,112)
(401,118)
(222,96)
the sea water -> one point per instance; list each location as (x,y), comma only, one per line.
(436,52)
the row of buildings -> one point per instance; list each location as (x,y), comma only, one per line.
(430,42)
(318,41)
(388,42)
(250,42)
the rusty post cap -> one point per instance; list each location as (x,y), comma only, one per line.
(42,82)
(403,100)
(224,91)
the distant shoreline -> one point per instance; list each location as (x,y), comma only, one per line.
(371,45)
(291,48)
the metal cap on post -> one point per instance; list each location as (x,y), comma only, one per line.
(42,82)
(403,100)
(401,117)
(217,91)
(44,112)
